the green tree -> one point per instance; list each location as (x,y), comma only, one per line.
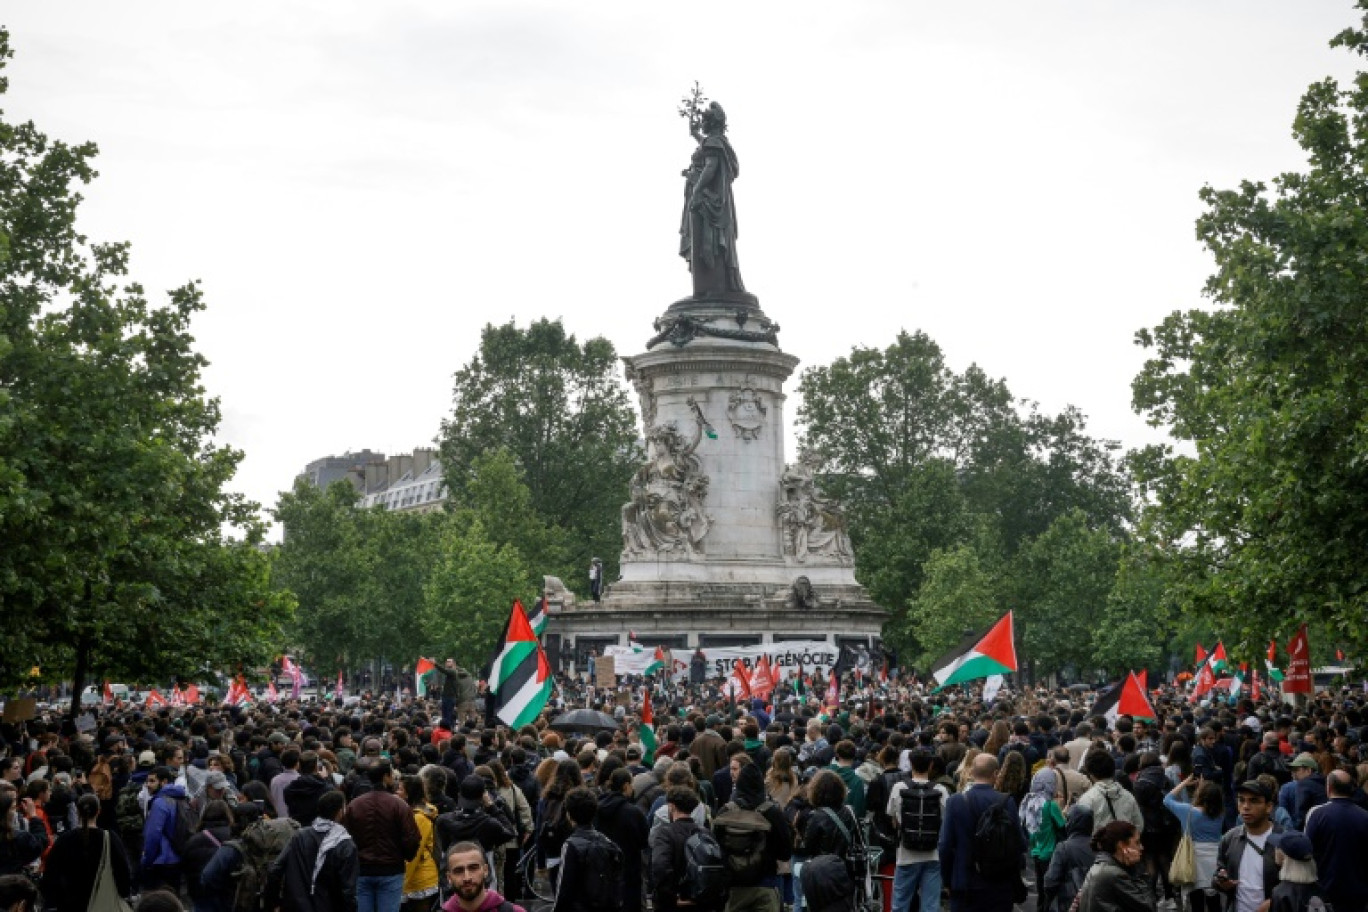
(927,459)
(959,596)
(1060,581)
(470,591)
(557,406)
(1135,626)
(1264,506)
(496,494)
(124,554)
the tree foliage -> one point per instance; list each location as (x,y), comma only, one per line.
(113,506)
(556,405)
(1263,507)
(471,590)
(930,461)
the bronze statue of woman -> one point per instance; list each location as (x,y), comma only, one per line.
(708,228)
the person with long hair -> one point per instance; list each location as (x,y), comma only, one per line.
(521,812)
(781,782)
(1013,779)
(420,872)
(1116,882)
(23,837)
(553,824)
(1203,819)
(1179,762)
(964,775)
(998,737)
(74,863)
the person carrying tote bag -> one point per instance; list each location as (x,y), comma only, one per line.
(1183,870)
(1204,831)
(106,897)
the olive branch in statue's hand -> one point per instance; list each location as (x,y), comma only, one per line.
(691,107)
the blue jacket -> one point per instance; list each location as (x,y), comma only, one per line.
(1339,840)
(956,847)
(161,826)
(1309,792)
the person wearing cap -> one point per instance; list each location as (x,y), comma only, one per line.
(1309,789)
(1296,875)
(268,758)
(1246,871)
(1338,831)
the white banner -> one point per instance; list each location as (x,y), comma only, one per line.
(812,657)
(991,685)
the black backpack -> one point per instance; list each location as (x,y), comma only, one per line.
(705,870)
(920,816)
(827,885)
(183,827)
(743,835)
(997,844)
(602,878)
(1276,767)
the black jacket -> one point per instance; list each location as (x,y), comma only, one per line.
(1231,851)
(582,850)
(824,837)
(1071,860)
(69,878)
(24,847)
(622,821)
(202,847)
(490,828)
(289,880)
(667,864)
(749,794)
(301,798)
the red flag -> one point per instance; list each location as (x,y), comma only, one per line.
(647,714)
(762,680)
(1218,655)
(155,699)
(1203,683)
(108,694)
(1339,654)
(883,672)
(1142,678)
(742,678)
(192,694)
(177,696)
(271,693)
(341,688)
(1272,652)
(1255,693)
(1200,656)
(833,693)
(1298,679)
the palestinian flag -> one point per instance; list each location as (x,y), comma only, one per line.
(800,687)
(1218,657)
(424,674)
(646,731)
(657,662)
(520,674)
(1199,655)
(536,618)
(979,656)
(238,694)
(1125,699)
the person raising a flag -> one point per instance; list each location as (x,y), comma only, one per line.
(458,692)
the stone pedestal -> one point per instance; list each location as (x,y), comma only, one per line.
(720,528)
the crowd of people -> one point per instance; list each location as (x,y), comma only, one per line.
(930,798)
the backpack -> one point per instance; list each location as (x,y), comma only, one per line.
(705,871)
(182,827)
(827,884)
(260,844)
(1274,766)
(996,843)
(743,835)
(129,813)
(920,816)
(602,881)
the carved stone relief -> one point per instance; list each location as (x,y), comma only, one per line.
(666,517)
(813,526)
(801,595)
(747,411)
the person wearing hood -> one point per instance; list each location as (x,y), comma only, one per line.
(1116,881)
(623,822)
(215,828)
(1106,798)
(1071,860)
(1044,824)
(762,893)
(161,865)
(319,868)
(755,747)
(301,794)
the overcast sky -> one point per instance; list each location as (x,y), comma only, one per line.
(362,186)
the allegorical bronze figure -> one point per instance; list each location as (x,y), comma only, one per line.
(707,230)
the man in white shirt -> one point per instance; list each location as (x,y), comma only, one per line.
(1245,863)
(918,862)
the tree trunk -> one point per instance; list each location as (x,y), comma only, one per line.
(83,647)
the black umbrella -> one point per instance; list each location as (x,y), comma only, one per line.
(585,720)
